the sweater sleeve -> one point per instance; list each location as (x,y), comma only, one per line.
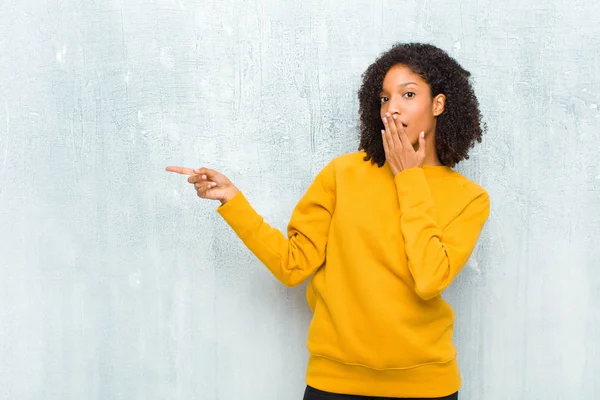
(436,256)
(292,258)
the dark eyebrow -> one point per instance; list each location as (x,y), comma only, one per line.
(406,84)
(402,85)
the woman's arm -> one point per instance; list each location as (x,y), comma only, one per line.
(437,256)
(291,258)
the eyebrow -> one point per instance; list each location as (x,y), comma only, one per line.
(402,85)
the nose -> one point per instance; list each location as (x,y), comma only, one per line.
(394,106)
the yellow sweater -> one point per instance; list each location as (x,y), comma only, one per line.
(382,249)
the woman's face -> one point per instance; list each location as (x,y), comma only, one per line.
(407,95)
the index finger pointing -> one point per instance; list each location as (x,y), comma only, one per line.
(181,170)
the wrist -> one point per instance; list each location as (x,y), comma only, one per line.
(229,194)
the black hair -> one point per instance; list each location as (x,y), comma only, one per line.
(457,128)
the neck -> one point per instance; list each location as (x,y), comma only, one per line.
(432,160)
(431,157)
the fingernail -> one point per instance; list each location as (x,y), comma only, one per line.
(395,116)
(384,120)
(422,134)
(382,132)
(196,171)
(388,114)
(203,177)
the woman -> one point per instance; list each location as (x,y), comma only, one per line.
(382,232)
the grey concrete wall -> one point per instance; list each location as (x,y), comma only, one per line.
(117,282)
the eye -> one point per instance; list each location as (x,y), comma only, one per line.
(383,99)
(409,95)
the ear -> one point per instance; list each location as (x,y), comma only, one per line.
(439,104)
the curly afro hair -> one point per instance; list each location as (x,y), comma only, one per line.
(458,127)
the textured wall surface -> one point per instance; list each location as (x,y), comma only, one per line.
(119,283)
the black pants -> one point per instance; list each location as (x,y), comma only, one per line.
(316,394)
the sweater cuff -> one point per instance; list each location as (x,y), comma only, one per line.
(239,214)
